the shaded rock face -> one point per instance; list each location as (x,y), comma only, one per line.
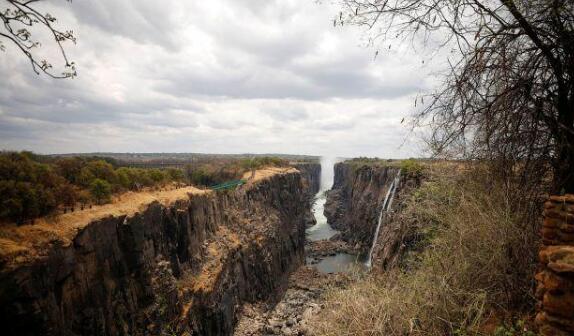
(311,173)
(186,267)
(354,203)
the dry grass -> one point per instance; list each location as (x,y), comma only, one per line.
(19,244)
(472,257)
(265,173)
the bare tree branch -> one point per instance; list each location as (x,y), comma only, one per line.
(19,20)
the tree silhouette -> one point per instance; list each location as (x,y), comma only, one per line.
(22,22)
(509,94)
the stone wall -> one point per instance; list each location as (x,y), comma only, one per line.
(555,291)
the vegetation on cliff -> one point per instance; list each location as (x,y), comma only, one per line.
(470,260)
(33,186)
(411,167)
(210,173)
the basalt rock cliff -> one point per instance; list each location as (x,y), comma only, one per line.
(354,204)
(311,173)
(185,267)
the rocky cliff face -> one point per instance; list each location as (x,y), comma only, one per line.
(185,267)
(354,203)
(311,173)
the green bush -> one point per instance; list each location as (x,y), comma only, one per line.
(412,167)
(101,191)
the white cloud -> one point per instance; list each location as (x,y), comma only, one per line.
(223,76)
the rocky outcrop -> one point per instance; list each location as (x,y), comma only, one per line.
(185,267)
(354,203)
(311,173)
(555,291)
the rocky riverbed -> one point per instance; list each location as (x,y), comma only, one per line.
(302,299)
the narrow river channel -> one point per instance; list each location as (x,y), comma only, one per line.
(339,262)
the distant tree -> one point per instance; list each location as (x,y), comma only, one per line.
(23,23)
(156,175)
(102,170)
(84,197)
(67,194)
(101,190)
(70,168)
(509,96)
(85,177)
(16,166)
(19,201)
(200,176)
(124,178)
(175,174)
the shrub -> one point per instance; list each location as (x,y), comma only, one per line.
(175,174)
(101,190)
(412,167)
(157,176)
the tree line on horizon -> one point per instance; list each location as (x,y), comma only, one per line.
(33,185)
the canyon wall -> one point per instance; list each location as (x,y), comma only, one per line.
(555,291)
(311,173)
(182,267)
(354,203)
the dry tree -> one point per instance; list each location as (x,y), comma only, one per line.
(508,96)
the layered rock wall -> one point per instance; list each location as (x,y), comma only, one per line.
(555,291)
(311,173)
(185,267)
(354,203)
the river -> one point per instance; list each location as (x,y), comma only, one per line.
(340,262)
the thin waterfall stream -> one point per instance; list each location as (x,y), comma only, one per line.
(342,261)
(387,203)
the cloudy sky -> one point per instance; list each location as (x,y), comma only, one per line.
(218,76)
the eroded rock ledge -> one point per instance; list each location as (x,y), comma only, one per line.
(181,266)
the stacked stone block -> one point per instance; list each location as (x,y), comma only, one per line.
(555,291)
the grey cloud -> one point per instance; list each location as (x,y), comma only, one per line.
(141,21)
(335,125)
(256,71)
(288,113)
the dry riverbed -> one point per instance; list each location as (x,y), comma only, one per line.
(302,299)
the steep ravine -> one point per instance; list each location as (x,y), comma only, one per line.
(186,266)
(357,199)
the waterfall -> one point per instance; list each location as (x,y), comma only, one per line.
(387,203)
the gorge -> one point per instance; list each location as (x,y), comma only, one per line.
(191,261)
